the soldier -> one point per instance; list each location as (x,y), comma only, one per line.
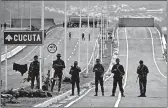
(118,71)
(63,24)
(69,35)
(1,26)
(74,71)
(99,72)
(34,72)
(5,26)
(83,36)
(89,37)
(142,72)
(58,66)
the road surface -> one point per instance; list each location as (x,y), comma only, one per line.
(134,44)
(56,37)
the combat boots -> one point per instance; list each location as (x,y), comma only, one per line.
(113,94)
(122,94)
(78,93)
(102,93)
(95,94)
(72,95)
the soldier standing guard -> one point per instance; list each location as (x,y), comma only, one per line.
(118,71)
(69,35)
(99,72)
(89,37)
(5,26)
(142,72)
(34,72)
(58,66)
(74,71)
(83,36)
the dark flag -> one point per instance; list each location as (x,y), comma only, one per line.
(21,68)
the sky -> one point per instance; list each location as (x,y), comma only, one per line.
(60,4)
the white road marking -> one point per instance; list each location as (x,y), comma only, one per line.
(153,49)
(126,72)
(70,98)
(57,105)
(89,89)
(64,101)
(80,97)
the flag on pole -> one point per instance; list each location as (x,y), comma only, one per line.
(93,35)
(41,47)
(6,68)
(87,40)
(21,17)
(30,13)
(101,37)
(79,36)
(10,13)
(65,26)
(103,34)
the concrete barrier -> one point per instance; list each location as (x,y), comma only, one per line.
(164,42)
(12,53)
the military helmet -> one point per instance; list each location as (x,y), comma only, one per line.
(117,59)
(141,62)
(97,60)
(58,55)
(35,56)
(75,62)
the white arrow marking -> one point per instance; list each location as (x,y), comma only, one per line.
(9,38)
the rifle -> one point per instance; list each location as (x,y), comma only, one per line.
(121,74)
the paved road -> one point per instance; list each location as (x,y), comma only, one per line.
(57,37)
(134,44)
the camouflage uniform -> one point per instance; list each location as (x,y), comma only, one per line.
(34,73)
(99,72)
(142,72)
(74,71)
(58,66)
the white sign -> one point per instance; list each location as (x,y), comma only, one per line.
(52,48)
